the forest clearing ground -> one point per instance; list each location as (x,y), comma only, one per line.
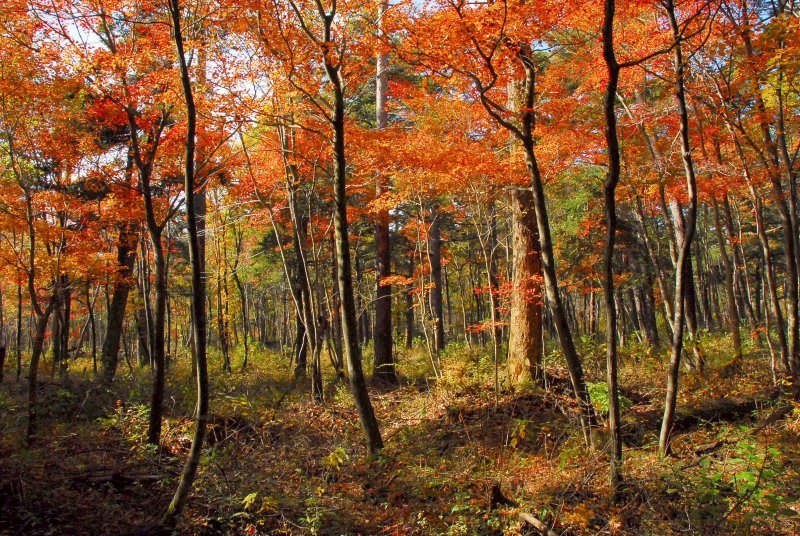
(277,464)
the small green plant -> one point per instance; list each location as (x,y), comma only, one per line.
(598,392)
(335,460)
(314,516)
(130,421)
(249,502)
(240,404)
(573,449)
(520,432)
(740,492)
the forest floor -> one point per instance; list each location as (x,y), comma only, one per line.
(278,464)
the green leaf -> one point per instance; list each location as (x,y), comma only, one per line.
(250,500)
(746,476)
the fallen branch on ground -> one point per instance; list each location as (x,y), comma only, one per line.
(537,523)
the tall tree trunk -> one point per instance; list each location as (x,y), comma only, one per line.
(739,279)
(90,309)
(492,270)
(355,371)
(525,348)
(775,174)
(702,275)
(767,254)
(142,331)
(435,260)
(555,304)
(300,345)
(733,312)
(245,304)
(345,279)
(305,303)
(33,369)
(337,338)
(684,255)
(198,286)
(157,346)
(148,323)
(19,329)
(222,325)
(643,298)
(362,319)
(64,321)
(689,290)
(410,305)
(55,329)
(772,284)
(126,258)
(609,196)
(384,364)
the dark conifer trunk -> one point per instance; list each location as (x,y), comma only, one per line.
(384,363)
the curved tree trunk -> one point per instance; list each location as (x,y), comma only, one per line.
(684,254)
(198,298)
(345,276)
(610,202)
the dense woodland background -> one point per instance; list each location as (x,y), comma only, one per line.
(407,267)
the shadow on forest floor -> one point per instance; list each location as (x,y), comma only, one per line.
(276,463)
